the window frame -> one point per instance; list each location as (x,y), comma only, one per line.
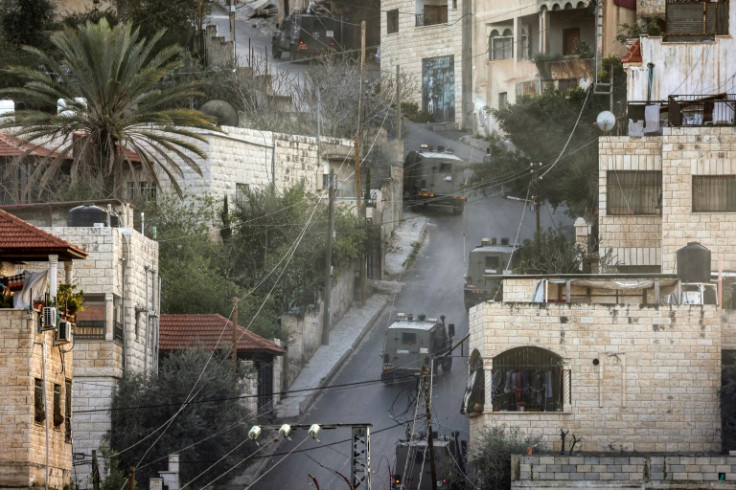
(620,195)
(39,405)
(68,410)
(712,199)
(58,417)
(505,51)
(531,392)
(392,21)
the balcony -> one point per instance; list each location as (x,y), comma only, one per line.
(95,330)
(432,15)
(681,111)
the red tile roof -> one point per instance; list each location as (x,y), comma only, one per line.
(12,146)
(20,240)
(209,331)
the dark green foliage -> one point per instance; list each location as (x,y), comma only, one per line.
(491,458)
(190,262)
(412,112)
(26,22)
(177,18)
(192,407)
(549,253)
(728,400)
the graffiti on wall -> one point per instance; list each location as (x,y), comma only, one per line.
(438,87)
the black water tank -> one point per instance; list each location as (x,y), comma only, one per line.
(693,263)
(88,215)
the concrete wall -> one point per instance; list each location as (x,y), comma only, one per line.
(679,154)
(655,387)
(411,44)
(586,470)
(26,355)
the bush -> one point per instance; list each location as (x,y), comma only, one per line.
(412,112)
(491,459)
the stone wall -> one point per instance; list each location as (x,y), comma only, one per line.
(586,470)
(412,44)
(26,355)
(680,154)
(641,378)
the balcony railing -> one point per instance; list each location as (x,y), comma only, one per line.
(681,111)
(95,330)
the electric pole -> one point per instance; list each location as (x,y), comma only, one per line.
(328,261)
(535,189)
(358,189)
(430,437)
(235,339)
(232,31)
(398,102)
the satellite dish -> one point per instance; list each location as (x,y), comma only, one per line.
(606,121)
(224,112)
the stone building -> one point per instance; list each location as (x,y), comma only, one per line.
(118,330)
(36,360)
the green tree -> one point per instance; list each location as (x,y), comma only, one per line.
(549,253)
(26,22)
(192,264)
(108,77)
(192,407)
(491,457)
(176,18)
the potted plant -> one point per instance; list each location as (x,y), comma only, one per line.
(69,301)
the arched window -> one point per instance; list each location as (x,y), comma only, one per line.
(527,379)
(475,393)
(500,45)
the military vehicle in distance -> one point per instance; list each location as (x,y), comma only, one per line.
(309,35)
(435,178)
(487,264)
(412,343)
(412,468)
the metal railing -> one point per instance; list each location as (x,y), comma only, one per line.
(95,330)
(681,111)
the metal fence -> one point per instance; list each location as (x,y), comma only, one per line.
(95,330)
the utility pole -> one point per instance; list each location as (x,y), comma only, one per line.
(430,437)
(328,262)
(358,189)
(535,189)
(232,31)
(398,102)
(235,339)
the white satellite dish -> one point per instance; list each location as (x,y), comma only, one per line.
(606,121)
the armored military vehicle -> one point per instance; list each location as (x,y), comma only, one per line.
(435,177)
(487,264)
(412,343)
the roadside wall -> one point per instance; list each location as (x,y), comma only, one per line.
(598,471)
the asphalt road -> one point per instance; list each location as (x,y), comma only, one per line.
(432,286)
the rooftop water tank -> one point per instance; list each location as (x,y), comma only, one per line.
(693,263)
(89,215)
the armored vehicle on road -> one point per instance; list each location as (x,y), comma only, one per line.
(435,178)
(487,264)
(412,343)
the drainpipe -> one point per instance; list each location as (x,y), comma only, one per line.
(126,252)
(145,329)
(650,66)
(45,404)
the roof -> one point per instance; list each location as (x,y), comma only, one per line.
(209,331)
(20,240)
(12,146)
(415,324)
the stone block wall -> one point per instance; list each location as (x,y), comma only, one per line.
(679,154)
(598,471)
(411,44)
(654,386)
(26,355)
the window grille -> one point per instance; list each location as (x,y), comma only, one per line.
(392,21)
(634,192)
(714,193)
(38,402)
(527,379)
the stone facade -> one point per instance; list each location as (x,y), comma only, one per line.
(639,378)
(33,358)
(413,45)
(679,154)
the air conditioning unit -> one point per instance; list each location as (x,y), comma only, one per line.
(49,317)
(64,333)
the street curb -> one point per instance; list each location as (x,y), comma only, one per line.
(305,405)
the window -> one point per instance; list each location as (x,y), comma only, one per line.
(634,192)
(503,100)
(714,193)
(408,338)
(392,21)
(432,15)
(492,263)
(39,407)
(501,45)
(241,192)
(527,379)
(142,191)
(445,168)
(570,40)
(68,410)
(58,417)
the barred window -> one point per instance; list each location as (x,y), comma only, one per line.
(634,192)
(39,407)
(392,21)
(714,193)
(68,410)
(142,191)
(527,379)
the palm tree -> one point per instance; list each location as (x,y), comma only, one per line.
(118,119)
